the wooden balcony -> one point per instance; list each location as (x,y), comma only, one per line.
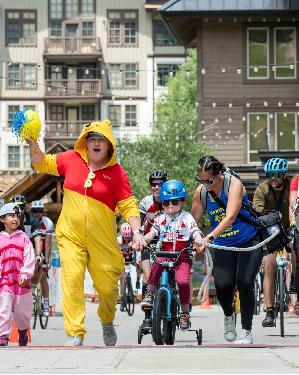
(72,46)
(64,129)
(73,88)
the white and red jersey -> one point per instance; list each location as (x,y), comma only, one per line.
(127,251)
(150,209)
(175,232)
(47,228)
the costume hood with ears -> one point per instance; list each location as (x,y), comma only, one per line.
(100,127)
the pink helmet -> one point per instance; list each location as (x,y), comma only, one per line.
(125,230)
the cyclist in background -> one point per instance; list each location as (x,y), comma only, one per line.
(124,240)
(47,227)
(294,223)
(272,194)
(174,228)
(31,226)
(150,207)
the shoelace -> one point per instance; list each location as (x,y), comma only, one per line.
(74,339)
(109,330)
(184,318)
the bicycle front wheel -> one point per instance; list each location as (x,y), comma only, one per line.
(159,317)
(129,297)
(172,324)
(43,320)
(281,299)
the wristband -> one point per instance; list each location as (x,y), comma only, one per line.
(136,231)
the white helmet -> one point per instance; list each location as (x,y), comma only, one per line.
(37,204)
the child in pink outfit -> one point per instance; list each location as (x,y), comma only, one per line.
(17,263)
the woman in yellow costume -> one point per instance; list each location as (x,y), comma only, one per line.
(95,185)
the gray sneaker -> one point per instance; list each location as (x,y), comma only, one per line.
(245,337)
(230,332)
(74,341)
(109,334)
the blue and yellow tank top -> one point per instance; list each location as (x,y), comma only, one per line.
(239,232)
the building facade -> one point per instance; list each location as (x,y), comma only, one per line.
(77,61)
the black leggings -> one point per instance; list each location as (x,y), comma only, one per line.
(237,269)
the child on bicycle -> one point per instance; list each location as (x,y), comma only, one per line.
(124,240)
(17,263)
(174,228)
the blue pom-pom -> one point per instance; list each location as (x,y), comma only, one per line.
(18,120)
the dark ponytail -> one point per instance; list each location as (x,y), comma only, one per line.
(210,163)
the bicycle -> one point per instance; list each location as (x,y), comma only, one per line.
(38,305)
(166,306)
(38,309)
(258,293)
(129,297)
(282,297)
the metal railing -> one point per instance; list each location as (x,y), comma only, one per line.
(72,45)
(78,87)
(58,129)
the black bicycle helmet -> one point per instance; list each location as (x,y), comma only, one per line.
(18,198)
(158,175)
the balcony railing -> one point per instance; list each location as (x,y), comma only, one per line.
(69,88)
(72,45)
(69,129)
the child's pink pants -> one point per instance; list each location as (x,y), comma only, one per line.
(182,274)
(15,307)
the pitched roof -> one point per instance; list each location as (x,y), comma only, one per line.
(173,6)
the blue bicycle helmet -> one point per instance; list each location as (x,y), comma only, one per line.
(172,189)
(276,165)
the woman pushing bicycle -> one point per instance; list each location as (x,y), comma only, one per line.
(174,228)
(222,196)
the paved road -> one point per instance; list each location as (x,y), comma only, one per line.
(269,354)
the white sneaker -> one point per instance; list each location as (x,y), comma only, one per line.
(245,337)
(74,341)
(109,334)
(230,332)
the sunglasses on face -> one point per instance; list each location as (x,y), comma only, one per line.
(156,184)
(208,181)
(174,202)
(88,181)
(273,175)
(37,211)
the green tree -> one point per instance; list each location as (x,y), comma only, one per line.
(173,145)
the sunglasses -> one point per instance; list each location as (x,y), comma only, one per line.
(273,174)
(157,184)
(174,202)
(37,211)
(88,181)
(208,181)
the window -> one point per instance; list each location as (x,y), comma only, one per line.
(115,115)
(87,8)
(122,75)
(14,157)
(286,131)
(29,76)
(22,76)
(277,62)
(56,112)
(88,112)
(21,27)
(13,75)
(258,125)
(26,157)
(55,72)
(164,72)
(114,75)
(130,115)
(71,8)
(122,28)
(11,109)
(130,75)
(162,36)
(285,52)
(87,29)
(56,9)
(258,58)
(56,29)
